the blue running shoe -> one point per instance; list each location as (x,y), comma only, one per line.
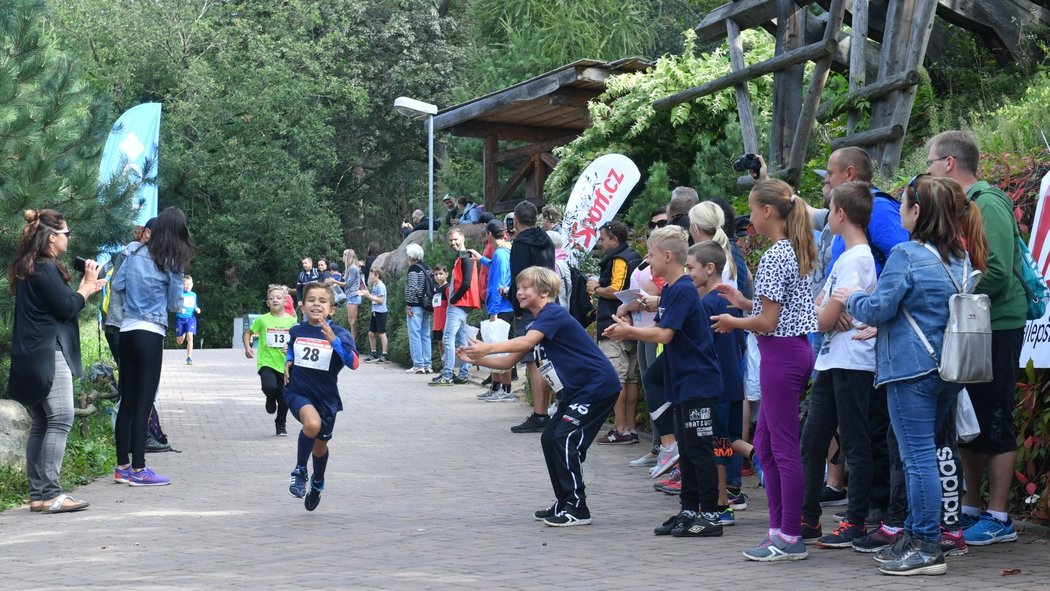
(989,530)
(726,516)
(737,501)
(147,477)
(297,482)
(313,498)
(967,521)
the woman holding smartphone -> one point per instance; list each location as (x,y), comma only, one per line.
(45,350)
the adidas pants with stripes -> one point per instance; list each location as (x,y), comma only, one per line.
(569,433)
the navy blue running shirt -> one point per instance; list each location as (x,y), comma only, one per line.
(728,346)
(307,351)
(584,371)
(692,367)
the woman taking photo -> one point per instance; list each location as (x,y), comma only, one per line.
(45,351)
(943,226)
(151,282)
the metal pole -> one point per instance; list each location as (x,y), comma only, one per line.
(430,173)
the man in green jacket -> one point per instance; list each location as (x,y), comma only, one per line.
(954,154)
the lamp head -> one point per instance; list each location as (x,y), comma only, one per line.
(410,107)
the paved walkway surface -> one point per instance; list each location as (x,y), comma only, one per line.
(427,488)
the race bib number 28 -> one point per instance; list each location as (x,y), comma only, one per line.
(312,353)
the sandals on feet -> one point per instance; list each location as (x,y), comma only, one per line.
(36,506)
(63,504)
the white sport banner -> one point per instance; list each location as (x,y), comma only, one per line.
(595,199)
(1037,332)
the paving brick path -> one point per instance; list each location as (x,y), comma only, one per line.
(427,489)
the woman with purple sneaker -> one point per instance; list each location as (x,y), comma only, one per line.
(150,280)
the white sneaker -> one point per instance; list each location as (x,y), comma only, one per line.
(648,459)
(501,396)
(667,458)
(487,393)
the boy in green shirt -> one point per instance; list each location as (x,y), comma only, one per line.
(272,329)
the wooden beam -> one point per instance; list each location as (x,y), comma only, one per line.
(857,63)
(490,170)
(549,159)
(571,98)
(818,78)
(921,26)
(791,58)
(514,181)
(516,94)
(787,82)
(746,13)
(896,82)
(743,99)
(532,149)
(507,132)
(869,138)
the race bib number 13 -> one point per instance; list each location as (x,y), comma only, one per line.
(277,338)
(313,353)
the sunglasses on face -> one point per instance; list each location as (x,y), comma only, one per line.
(67,232)
(657,224)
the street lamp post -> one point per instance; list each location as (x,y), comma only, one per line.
(418,109)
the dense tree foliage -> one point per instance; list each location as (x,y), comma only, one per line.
(693,144)
(278,136)
(51,136)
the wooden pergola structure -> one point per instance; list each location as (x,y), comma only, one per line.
(537,116)
(886,45)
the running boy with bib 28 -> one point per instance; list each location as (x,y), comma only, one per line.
(318,350)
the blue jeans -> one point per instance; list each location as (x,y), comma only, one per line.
(916,408)
(455,337)
(46,445)
(419,337)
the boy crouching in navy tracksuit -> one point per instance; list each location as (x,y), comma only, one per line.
(578,372)
(694,383)
(317,351)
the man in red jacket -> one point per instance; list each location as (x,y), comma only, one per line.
(463,297)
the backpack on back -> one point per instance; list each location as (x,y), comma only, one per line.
(580,305)
(1035,289)
(430,289)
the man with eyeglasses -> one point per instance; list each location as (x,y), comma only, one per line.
(954,154)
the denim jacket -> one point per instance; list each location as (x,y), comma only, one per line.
(149,294)
(914,279)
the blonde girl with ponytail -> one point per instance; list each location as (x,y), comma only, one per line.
(705,223)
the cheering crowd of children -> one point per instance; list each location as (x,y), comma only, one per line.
(874,394)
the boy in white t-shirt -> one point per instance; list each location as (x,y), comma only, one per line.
(844,379)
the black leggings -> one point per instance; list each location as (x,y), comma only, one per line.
(141,355)
(273,387)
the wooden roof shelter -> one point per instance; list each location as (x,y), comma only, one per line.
(545,112)
(886,45)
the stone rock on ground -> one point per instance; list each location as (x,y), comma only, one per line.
(14,431)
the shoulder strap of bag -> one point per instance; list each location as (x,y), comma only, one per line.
(966,277)
(922,337)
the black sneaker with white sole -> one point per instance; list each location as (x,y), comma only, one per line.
(704,525)
(675,522)
(569,516)
(546,513)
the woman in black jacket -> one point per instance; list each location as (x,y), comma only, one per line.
(45,350)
